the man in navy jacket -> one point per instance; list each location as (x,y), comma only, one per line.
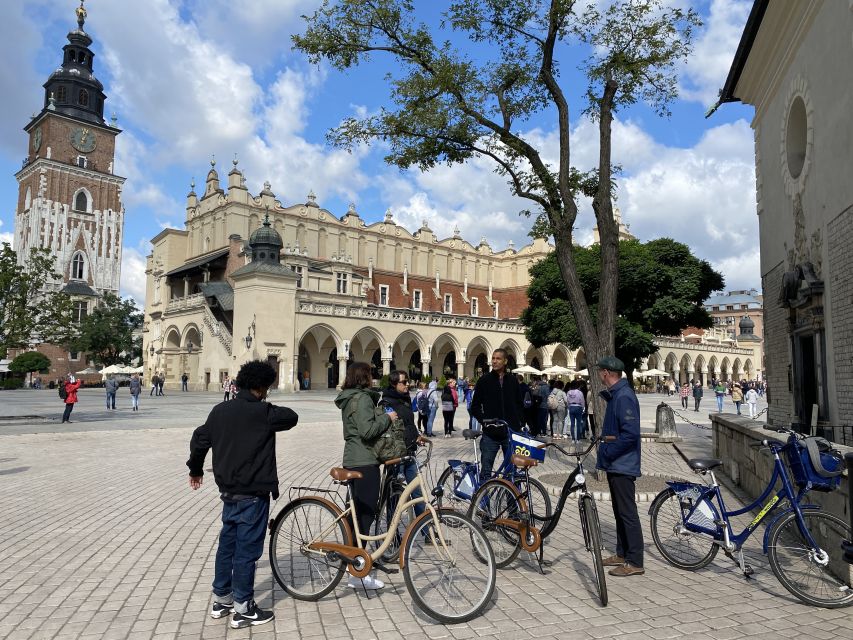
(619,456)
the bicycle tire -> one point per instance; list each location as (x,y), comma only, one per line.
(384,517)
(307,575)
(447,481)
(540,505)
(451,583)
(592,539)
(794,564)
(498,499)
(676,544)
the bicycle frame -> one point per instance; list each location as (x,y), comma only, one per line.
(723,532)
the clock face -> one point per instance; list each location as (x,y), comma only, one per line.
(83,139)
(37,139)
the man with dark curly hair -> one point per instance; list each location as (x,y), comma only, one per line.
(241,433)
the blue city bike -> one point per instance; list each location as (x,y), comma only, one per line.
(690,522)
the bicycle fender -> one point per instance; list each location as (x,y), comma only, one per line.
(779,516)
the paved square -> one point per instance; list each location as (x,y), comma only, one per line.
(101,537)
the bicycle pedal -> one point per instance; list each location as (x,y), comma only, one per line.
(748,571)
(384,569)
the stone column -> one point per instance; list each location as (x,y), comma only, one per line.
(691,372)
(342,370)
(425,368)
(386,366)
(460,369)
(186,286)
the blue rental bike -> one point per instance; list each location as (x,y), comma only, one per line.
(690,522)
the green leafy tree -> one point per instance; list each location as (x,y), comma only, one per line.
(662,287)
(28,313)
(106,334)
(29,361)
(449,106)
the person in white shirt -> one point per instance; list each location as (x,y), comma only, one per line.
(752,401)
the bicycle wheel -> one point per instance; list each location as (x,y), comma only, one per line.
(447,481)
(383,521)
(451,582)
(540,502)
(677,545)
(821,579)
(497,500)
(592,538)
(306,574)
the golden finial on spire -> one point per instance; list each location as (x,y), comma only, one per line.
(81,15)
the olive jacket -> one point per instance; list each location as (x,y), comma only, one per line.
(363,424)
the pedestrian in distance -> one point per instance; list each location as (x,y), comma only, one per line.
(161,379)
(422,404)
(698,392)
(577,406)
(111,387)
(737,396)
(242,435)
(233,388)
(752,401)
(685,392)
(226,388)
(619,456)
(496,396)
(363,423)
(557,408)
(590,412)
(449,402)
(184,380)
(720,394)
(433,401)
(135,390)
(70,384)
(155,382)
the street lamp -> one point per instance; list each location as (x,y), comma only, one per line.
(190,346)
(248,340)
(151,350)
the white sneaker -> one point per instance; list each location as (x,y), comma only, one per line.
(369,583)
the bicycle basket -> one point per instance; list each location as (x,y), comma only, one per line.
(815,464)
(464,478)
(527,447)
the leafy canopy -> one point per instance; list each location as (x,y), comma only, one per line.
(106,334)
(661,290)
(29,313)
(29,361)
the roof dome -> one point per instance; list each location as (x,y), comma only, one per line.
(746,321)
(265,234)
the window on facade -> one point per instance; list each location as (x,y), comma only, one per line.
(73,355)
(730,307)
(77,267)
(448,303)
(297,269)
(342,282)
(81,161)
(475,307)
(83,98)
(81,201)
(61,95)
(383,295)
(81,310)
(416,299)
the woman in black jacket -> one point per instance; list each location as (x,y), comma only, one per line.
(397,397)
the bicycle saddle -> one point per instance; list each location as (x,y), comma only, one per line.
(470,434)
(523,461)
(344,475)
(704,464)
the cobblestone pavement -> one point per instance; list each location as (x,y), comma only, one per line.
(101,537)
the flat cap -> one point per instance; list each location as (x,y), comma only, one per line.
(611,363)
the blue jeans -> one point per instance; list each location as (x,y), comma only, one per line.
(489,448)
(241,543)
(578,424)
(410,470)
(719,404)
(111,399)
(431,419)
(134,400)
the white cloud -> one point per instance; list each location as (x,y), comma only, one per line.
(133,275)
(704,73)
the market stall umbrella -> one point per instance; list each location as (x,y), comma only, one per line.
(655,372)
(88,371)
(557,370)
(583,372)
(527,369)
(113,368)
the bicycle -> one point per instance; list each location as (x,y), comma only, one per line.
(461,478)
(802,543)
(502,511)
(313,541)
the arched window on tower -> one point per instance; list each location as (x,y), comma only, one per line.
(61,95)
(28,199)
(77,264)
(81,201)
(83,98)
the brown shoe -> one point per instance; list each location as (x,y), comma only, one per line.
(627,569)
(613,561)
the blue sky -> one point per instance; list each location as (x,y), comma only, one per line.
(192,78)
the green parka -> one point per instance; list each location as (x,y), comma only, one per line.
(363,424)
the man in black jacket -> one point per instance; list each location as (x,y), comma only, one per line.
(496,396)
(242,435)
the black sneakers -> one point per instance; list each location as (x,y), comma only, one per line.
(220,609)
(252,617)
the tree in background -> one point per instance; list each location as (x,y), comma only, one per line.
(28,313)
(106,334)
(449,106)
(662,288)
(28,362)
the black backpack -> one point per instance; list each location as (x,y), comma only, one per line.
(63,394)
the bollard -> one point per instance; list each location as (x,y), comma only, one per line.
(665,424)
(847,545)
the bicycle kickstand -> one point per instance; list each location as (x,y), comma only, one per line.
(746,569)
(541,559)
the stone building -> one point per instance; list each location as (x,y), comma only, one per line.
(69,198)
(792,65)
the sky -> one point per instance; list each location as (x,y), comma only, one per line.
(190,80)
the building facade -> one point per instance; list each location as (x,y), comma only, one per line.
(69,197)
(792,65)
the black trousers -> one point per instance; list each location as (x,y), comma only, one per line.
(365,495)
(422,421)
(629,533)
(684,402)
(67,413)
(448,421)
(696,402)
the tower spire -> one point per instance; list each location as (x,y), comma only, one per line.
(81,15)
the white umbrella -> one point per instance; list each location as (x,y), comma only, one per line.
(583,372)
(527,369)
(655,372)
(87,371)
(692,335)
(557,370)
(113,368)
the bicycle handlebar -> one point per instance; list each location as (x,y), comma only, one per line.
(576,454)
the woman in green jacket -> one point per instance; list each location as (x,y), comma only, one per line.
(363,424)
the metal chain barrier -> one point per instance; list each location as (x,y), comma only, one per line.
(705,426)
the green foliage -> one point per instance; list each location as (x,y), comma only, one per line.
(28,313)
(106,334)
(13,383)
(442,382)
(29,361)
(384,382)
(661,290)
(426,379)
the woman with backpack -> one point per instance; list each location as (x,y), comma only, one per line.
(422,406)
(433,400)
(557,407)
(577,406)
(449,402)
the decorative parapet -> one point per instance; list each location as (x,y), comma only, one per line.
(217,329)
(411,317)
(701,346)
(182,304)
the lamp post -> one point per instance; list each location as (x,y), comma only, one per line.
(248,340)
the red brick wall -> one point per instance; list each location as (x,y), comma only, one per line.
(60,365)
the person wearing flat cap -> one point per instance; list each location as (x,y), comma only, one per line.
(619,456)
